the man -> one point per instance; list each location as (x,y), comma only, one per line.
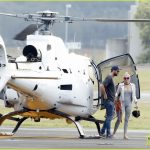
(108,95)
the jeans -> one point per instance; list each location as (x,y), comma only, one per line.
(109,105)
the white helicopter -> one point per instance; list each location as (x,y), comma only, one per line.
(50,82)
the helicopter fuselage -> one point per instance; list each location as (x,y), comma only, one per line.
(54,79)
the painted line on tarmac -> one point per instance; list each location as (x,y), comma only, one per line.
(69,129)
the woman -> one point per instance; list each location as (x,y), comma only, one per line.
(126,94)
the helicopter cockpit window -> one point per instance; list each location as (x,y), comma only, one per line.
(49,47)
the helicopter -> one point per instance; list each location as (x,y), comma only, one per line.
(49,82)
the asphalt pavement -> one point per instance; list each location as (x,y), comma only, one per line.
(69,138)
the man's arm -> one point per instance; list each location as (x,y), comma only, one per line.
(103,91)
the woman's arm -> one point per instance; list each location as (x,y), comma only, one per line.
(134,94)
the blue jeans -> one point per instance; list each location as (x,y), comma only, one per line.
(109,105)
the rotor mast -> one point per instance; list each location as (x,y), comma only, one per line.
(48,20)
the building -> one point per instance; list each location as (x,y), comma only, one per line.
(135,43)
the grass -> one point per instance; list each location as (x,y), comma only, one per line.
(142,122)
(144,77)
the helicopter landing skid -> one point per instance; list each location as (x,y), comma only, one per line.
(75,120)
(80,130)
(79,127)
(82,135)
(9,116)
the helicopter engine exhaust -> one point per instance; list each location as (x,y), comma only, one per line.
(32,54)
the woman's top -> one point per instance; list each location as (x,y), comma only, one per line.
(127,97)
(130,94)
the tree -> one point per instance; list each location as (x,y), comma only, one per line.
(143,12)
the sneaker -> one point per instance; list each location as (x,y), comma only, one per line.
(113,136)
(109,136)
(126,137)
(102,135)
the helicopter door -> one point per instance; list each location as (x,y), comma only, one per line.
(94,76)
(126,63)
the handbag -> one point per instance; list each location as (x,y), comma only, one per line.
(118,105)
(118,108)
(136,113)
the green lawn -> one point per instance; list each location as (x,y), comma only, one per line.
(144,78)
(143,122)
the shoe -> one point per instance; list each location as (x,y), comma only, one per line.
(109,136)
(126,137)
(113,135)
(102,135)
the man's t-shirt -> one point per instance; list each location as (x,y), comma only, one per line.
(109,87)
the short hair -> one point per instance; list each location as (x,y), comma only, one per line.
(116,68)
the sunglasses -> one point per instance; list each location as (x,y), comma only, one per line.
(126,78)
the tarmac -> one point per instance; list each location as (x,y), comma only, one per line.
(69,138)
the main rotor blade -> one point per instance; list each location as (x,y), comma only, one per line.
(27,31)
(108,20)
(26,17)
(12,15)
(76,19)
(40,17)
